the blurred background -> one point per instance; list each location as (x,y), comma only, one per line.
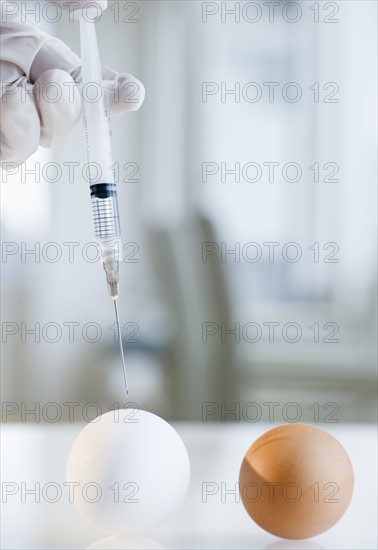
(206,167)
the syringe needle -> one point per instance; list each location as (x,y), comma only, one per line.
(121,348)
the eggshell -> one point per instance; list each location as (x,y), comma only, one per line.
(296,481)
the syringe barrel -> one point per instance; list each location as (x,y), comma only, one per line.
(105,211)
(108,231)
(100,173)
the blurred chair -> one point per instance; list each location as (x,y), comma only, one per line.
(195,292)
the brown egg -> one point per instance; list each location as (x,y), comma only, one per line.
(296,481)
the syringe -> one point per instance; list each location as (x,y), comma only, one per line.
(102,182)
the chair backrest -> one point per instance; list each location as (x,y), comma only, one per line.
(195,292)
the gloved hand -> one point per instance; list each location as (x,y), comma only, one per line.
(31,60)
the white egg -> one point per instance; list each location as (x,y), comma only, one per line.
(131,471)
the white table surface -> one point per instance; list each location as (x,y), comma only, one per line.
(38,452)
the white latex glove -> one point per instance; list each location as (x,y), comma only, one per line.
(30,60)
